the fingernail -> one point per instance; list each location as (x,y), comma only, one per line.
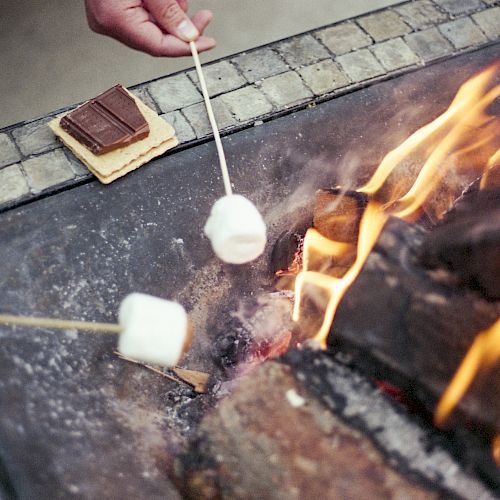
(188,30)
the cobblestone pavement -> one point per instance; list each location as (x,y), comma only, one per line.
(258,84)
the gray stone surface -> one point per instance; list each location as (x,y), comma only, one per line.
(286,89)
(394,54)
(323,77)
(458,7)
(13,184)
(360,65)
(174,92)
(489,21)
(143,94)
(48,170)
(420,14)
(462,33)
(220,77)
(429,44)
(35,137)
(260,64)
(247,103)
(183,129)
(8,151)
(344,38)
(302,51)
(384,25)
(77,166)
(198,118)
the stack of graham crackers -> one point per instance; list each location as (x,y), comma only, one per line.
(110,165)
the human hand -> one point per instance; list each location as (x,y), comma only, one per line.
(158,27)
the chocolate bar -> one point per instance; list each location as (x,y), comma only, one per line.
(107,122)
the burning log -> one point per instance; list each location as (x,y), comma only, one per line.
(398,317)
(468,242)
(413,326)
(337,213)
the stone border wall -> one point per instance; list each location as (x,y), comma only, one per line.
(266,82)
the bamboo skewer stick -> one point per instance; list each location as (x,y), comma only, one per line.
(60,324)
(211,117)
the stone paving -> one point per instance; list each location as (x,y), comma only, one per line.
(259,84)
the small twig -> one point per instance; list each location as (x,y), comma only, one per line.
(197,380)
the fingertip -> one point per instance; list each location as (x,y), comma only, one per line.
(205,43)
(188,31)
(208,14)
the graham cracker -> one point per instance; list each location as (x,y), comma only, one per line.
(109,166)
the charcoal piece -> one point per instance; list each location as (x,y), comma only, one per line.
(231,347)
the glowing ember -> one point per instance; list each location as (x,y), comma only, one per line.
(296,264)
(448,146)
(484,352)
(495,447)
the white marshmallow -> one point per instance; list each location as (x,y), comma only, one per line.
(236,229)
(153,330)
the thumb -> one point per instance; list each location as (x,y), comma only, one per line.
(170,17)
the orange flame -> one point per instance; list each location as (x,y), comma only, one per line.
(465,100)
(444,140)
(484,352)
(371,226)
(493,167)
(495,449)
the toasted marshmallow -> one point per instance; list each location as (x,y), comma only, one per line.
(236,230)
(154,330)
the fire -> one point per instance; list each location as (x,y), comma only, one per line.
(495,448)
(484,352)
(371,226)
(489,180)
(462,133)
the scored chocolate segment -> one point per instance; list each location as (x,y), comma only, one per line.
(107,122)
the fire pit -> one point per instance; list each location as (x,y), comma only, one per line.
(78,420)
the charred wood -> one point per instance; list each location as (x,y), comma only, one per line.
(274,438)
(337,213)
(413,326)
(468,242)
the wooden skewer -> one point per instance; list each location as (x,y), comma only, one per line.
(61,324)
(211,117)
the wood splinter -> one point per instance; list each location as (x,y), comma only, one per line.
(197,380)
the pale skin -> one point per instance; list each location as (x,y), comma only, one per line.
(157,27)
